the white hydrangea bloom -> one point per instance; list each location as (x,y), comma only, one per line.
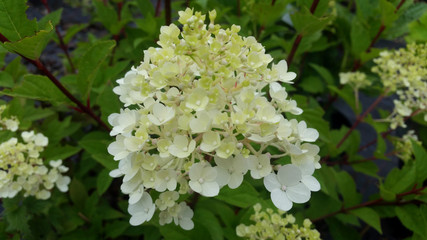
(287,187)
(21,169)
(195,109)
(203,179)
(231,170)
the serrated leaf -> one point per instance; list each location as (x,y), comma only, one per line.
(420,162)
(37,87)
(306,23)
(369,216)
(53,17)
(90,63)
(103,181)
(413,218)
(347,188)
(14,24)
(398,180)
(31,47)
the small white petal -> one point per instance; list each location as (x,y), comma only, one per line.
(281,200)
(299,193)
(311,182)
(271,182)
(289,175)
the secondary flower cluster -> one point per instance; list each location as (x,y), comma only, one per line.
(356,80)
(273,225)
(404,71)
(200,111)
(22,169)
(10,124)
(403,145)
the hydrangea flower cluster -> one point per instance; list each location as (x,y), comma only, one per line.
(275,225)
(404,71)
(356,80)
(10,124)
(403,145)
(200,111)
(22,169)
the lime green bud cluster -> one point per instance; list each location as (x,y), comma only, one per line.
(8,123)
(403,145)
(276,226)
(404,72)
(356,80)
(22,169)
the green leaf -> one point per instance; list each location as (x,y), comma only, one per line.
(413,218)
(116,228)
(387,194)
(399,180)
(90,64)
(368,168)
(146,7)
(306,23)
(6,80)
(324,73)
(51,18)
(78,193)
(339,230)
(369,216)
(387,13)
(73,30)
(218,208)
(56,130)
(360,38)
(418,30)
(96,144)
(420,162)
(16,216)
(14,23)
(210,222)
(32,46)
(312,84)
(37,87)
(59,152)
(244,196)
(103,181)
(347,188)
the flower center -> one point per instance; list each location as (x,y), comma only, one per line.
(283,188)
(201,180)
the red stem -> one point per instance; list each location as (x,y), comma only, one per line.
(61,87)
(361,117)
(376,202)
(273,2)
(158,5)
(314,6)
(168,11)
(238,8)
(62,44)
(299,37)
